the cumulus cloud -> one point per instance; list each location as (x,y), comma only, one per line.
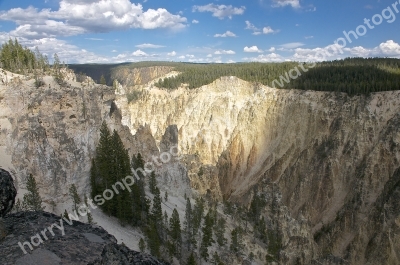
(272,57)
(224,52)
(173,53)
(268,30)
(148,46)
(77,17)
(220,11)
(194,21)
(280,3)
(388,48)
(252,49)
(139,53)
(226,34)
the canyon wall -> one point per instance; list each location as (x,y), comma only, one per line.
(333,159)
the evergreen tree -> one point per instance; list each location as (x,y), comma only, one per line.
(175,232)
(66,216)
(191,260)
(153,239)
(17,206)
(207,236)
(142,245)
(32,199)
(216,260)
(236,238)
(188,223)
(57,73)
(74,196)
(103,80)
(166,196)
(220,231)
(152,182)
(156,212)
(197,214)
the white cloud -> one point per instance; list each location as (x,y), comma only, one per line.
(388,48)
(224,52)
(292,45)
(194,21)
(139,53)
(230,61)
(280,3)
(220,11)
(226,34)
(209,56)
(114,51)
(272,49)
(309,37)
(252,49)
(77,17)
(256,33)
(272,57)
(182,57)
(96,39)
(311,9)
(250,26)
(268,30)
(173,53)
(148,46)
(190,56)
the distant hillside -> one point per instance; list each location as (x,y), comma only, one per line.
(352,75)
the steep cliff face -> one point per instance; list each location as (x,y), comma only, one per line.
(52,132)
(332,159)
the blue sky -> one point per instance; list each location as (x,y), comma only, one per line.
(113,31)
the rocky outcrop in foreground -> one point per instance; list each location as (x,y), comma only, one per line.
(81,244)
(7,192)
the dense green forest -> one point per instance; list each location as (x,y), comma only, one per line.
(352,75)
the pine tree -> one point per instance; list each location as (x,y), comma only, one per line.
(75,196)
(236,238)
(175,232)
(152,182)
(66,216)
(166,196)
(142,245)
(156,212)
(220,231)
(207,236)
(103,80)
(191,260)
(18,206)
(32,199)
(57,74)
(153,239)
(188,223)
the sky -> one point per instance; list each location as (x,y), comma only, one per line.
(219,31)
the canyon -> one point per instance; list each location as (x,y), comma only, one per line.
(329,164)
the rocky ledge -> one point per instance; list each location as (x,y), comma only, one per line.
(75,244)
